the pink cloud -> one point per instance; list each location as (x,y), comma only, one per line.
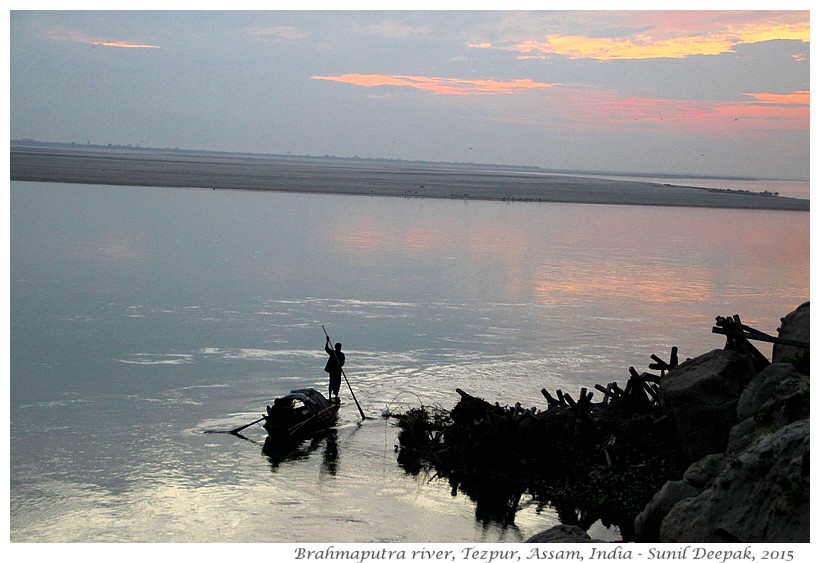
(439,85)
(73,36)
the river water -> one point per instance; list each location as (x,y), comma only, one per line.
(142,318)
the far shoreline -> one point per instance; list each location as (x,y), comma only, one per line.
(364,177)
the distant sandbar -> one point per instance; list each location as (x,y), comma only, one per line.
(362,177)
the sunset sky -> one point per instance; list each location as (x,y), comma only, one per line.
(708,92)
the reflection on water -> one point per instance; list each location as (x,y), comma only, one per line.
(328,442)
(142,317)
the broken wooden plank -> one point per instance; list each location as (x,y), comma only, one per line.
(659,364)
(551,401)
(764,338)
(607,391)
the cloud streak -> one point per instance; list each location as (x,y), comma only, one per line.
(75,37)
(439,85)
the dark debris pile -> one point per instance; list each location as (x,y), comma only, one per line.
(589,461)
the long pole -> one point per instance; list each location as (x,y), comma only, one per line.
(241,428)
(235,431)
(361,412)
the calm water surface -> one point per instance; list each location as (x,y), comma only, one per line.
(143,317)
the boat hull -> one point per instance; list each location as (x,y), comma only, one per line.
(299,415)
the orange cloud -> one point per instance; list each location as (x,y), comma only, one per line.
(439,85)
(795,98)
(672,35)
(67,35)
(634,47)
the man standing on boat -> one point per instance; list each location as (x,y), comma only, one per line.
(334,368)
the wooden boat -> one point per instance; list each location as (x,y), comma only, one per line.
(300,414)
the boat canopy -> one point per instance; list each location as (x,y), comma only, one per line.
(310,397)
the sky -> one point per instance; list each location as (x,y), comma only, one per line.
(685,92)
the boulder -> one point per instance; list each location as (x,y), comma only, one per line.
(794,326)
(771,389)
(743,435)
(562,533)
(762,496)
(648,522)
(701,473)
(700,396)
(777,396)
(695,479)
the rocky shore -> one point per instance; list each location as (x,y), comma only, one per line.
(712,449)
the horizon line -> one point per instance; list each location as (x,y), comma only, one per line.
(529,167)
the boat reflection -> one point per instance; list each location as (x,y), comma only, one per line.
(278,452)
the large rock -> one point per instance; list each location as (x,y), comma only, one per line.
(701,473)
(696,478)
(794,326)
(761,496)
(776,388)
(776,397)
(700,396)
(744,434)
(562,533)
(648,522)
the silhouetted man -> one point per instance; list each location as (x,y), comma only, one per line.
(334,368)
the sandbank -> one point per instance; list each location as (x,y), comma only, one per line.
(172,168)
